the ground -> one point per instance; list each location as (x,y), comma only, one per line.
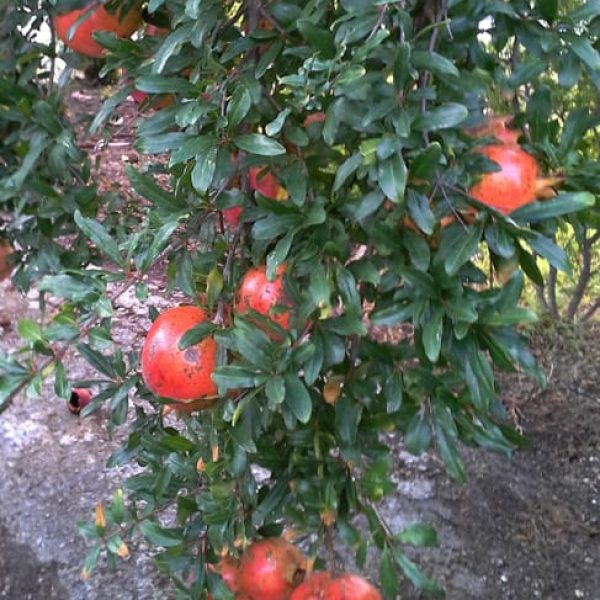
(523,528)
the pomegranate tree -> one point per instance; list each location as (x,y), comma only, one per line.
(332,124)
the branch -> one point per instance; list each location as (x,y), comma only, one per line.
(584,276)
(591,311)
(552,304)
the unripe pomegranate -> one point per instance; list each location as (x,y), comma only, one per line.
(259,294)
(270,569)
(182,375)
(96,19)
(348,586)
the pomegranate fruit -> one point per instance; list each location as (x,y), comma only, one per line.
(514,185)
(270,569)
(259,294)
(348,586)
(266,183)
(96,19)
(260,181)
(181,375)
(80,398)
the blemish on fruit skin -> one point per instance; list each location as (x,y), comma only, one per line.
(191,354)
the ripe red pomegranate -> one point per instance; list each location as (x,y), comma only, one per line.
(270,569)
(182,375)
(322,586)
(259,294)
(260,181)
(266,183)
(514,185)
(97,19)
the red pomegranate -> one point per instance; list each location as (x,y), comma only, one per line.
(79,399)
(182,375)
(259,294)
(514,185)
(348,586)
(266,183)
(96,19)
(270,569)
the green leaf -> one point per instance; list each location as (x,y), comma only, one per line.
(159,536)
(586,52)
(416,576)
(458,245)
(418,433)
(204,170)
(239,106)
(434,62)
(195,335)
(555,255)
(562,204)
(30,331)
(347,168)
(420,211)
(234,376)
(274,127)
(297,398)
(319,39)
(100,237)
(256,143)
(432,333)
(418,534)
(449,454)
(275,390)
(387,574)
(446,116)
(392,178)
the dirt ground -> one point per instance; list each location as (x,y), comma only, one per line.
(518,529)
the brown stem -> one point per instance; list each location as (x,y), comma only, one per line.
(583,279)
(591,311)
(552,300)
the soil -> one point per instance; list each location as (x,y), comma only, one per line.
(518,529)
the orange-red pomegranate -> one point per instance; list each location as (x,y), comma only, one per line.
(182,375)
(270,569)
(515,185)
(79,399)
(97,19)
(260,181)
(322,586)
(259,294)
(266,183)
